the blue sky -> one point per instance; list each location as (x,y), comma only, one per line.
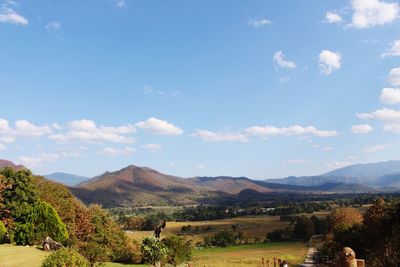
(262,89)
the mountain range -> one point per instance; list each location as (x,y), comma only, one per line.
(379,175)
(141,186)
(66,178)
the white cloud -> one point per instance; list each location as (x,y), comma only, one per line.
(394,51)
(26,128)
(390,96)
(4,127)
(375,148)
(338,164)
(160,127)
(392,127)
(2,147)
(31,162)
(153,147)
(327,148)
(56,126)
(120,3)
(87,131)
(259,23)
(53,26)
(8,15)
(361,129)
(298,161)
(113,152)
(201,166)
(370,13)
(332,17)
(384,114)
(282,62)
(394,76)
(329,61)
(220,136)
(292,130)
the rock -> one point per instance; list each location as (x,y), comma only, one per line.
(50,244)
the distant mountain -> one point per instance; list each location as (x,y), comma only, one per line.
(6,163)
(66,178)
(231,185)
(381,174)
(139,186)
(366,171)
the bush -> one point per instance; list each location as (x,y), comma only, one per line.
(129,253)
(48,223)
(3,233)
(179,250)
(153,250)
(65,257)
(220,239)
(95,252)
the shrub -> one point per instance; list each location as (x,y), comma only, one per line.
(94,252)
(3,233)
(48,223)
(153,250)
(179,250)
(65,257)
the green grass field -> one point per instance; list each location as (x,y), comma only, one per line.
(250,255)
(18,256)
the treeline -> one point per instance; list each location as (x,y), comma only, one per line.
(32,208)
(374,235)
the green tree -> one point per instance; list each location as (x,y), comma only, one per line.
(153,250)
(48,223)
(19,198)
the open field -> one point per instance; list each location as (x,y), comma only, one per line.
(250,255)
(252,227)
(17,256)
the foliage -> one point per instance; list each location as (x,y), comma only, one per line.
(48,223)
(3,233)
(303,228)
(220,239)
(65,257)
(153,250)
(94,252)
(376,239)
(19,198)
(179,249)
(344,218)
(279,235)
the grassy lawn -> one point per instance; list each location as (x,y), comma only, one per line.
(250,255)
(17,256)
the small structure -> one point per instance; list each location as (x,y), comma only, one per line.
(50,244)
(347,258)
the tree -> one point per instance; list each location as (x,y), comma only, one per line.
(19,198)
(345,218)
(153,250)
(48,223)
(303,228)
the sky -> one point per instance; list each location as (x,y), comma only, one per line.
(263,89)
